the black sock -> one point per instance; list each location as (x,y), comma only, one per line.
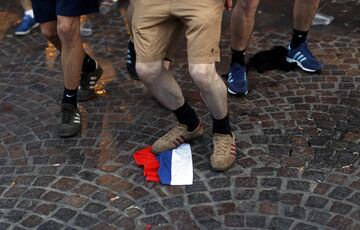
(186,115)
(70,96)
(89,64)
(238,56)
(298,38)
(222,126)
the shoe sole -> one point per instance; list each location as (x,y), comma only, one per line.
(70,134)
(290,60)
(93,94)
(223,169)
(237,94)
(28,31)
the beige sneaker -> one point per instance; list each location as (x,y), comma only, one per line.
(224,154)
(175,137)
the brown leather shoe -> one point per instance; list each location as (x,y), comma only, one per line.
(224,155)
(175,137)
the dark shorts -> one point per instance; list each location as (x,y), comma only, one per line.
(47,10)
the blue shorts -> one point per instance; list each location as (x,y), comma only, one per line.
(48,10)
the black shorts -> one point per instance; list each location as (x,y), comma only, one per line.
(47,10)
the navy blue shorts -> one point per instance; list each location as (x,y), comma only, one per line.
(47,10)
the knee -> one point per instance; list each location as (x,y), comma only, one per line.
(203,75)
(49,32)
(68,30)
(248,7)
(148,72)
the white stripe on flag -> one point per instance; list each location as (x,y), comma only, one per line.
(182,166)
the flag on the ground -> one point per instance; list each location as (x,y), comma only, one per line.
(176,166)
(173,167)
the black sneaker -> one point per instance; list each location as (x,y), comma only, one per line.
(87,84)
(71,120)
(131,61)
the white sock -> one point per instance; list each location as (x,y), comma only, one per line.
(30,13)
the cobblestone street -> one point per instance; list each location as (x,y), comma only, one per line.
(298,135)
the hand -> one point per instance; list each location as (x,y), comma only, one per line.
(228,5)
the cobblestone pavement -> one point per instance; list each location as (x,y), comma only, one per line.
(298,137)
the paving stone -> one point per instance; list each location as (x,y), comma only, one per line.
(248,182)
(84,221)
(355,198)
(174,202)
(255,221)
(31,221)
(221,195)
(210,224)
(151,208)
(198,198)
(318,217)
(340,193)
(64,214)
(340,222)
(295,212)
(280,223)
(234,221)
(154,220)
(340,208)
(246,194)
(269,195)
(15,215)
(271,182)
(268,209)
(50,225)
(219,182)
(316,202)
(303,226)
(45,209)
(94,208)
(298,185)
(202,212)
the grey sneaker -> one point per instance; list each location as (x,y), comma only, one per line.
(87,84)
(71,121)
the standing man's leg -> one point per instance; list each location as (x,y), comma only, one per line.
(242,25)
(304,12)
(78,68)
(27,23)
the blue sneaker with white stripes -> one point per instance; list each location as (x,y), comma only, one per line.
(237,82)
(26,25)
(304,59)
(131,61)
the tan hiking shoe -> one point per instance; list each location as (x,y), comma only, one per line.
(224,154)
(175,137)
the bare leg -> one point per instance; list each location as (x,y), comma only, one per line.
(26,4)
(304,12)
(212,88)
(72,50)
(130,13)
(242,23)
(162,85)
(49,30)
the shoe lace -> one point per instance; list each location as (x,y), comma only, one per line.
(24,22)
(173,134)
(221,146)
